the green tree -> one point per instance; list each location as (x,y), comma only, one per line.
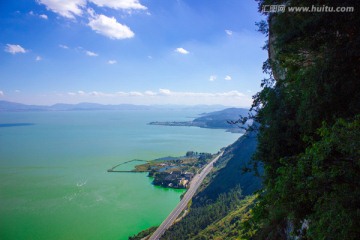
(309,126)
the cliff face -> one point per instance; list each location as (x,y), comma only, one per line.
(277,71)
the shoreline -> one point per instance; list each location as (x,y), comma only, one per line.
(233,129)
(183,204)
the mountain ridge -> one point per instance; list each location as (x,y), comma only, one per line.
(8,106)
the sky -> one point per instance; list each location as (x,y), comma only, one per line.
(184,52)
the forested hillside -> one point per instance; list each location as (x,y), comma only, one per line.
(309,139)
(223,194)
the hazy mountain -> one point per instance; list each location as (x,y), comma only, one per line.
(17,107)
(11,106)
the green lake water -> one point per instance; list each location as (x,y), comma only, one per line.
(53,178)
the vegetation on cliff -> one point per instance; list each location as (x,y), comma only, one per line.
(309,114)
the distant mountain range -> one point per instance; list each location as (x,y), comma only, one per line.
(6,106)
(11,106)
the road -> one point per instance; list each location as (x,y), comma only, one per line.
(194,185)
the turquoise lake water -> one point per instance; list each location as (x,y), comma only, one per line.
(53,178)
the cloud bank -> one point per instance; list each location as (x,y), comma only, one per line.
(233,98)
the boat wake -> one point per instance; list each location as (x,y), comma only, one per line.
(80,184)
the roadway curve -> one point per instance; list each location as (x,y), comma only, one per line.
(194,185)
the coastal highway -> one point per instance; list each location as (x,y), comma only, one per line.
(194,185)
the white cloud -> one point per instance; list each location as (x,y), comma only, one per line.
(182,51)
(230,94)
(38,58)
(17,91)
(14,49)
(135,94)
(43,16)
(163,96)
(150,93)
(229,32)
(160,93)
(212,78)
(228,78)
(109,27)
(63,46)
(112,62)
(95,93)
(65,8)
(119,4)
(91,54)
(1,93)
(121,94)
(164,92)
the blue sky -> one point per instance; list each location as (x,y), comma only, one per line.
(129,51)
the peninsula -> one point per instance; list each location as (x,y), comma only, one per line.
(215,120)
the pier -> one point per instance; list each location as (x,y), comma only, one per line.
(126,171)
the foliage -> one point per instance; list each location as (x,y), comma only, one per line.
(202,216)
(143,234)
(232,226)
(308,112)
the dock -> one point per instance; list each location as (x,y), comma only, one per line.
(126,171)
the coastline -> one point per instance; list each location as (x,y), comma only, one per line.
(169,172)
(227,128)
(155,233)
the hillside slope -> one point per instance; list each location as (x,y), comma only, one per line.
(233,225)
(235,158)
(222,198)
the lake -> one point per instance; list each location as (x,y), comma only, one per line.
(54,182)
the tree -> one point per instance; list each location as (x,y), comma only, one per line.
(308,110)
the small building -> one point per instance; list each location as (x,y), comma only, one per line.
(188,176)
